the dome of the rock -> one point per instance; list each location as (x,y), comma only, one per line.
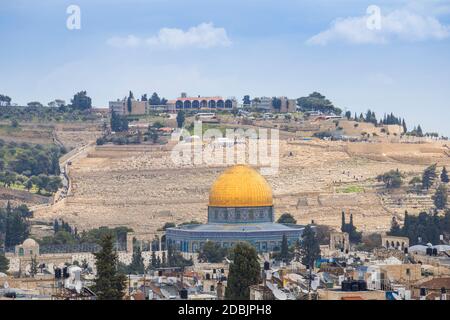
(240,186)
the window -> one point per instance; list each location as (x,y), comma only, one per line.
(20,251)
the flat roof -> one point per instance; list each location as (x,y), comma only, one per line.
(237,227)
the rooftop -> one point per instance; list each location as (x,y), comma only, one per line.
(237,227)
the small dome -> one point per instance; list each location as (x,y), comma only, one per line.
(240,186)
(29,243)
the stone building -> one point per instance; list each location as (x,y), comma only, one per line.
(205,103)
(391,242)
(339,241)
(29,248)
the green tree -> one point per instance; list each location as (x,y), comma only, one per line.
(153,261)
(13,226)
(4,263)
(155,100)
(348,115)
(444,175)
(181,117)
(395,228)
(419,131)
(54,184)
(130,102)
(5,99)
(317,102)
(286,218)
(309,250)
(244,272)
(109,283)
(81,101)
(285,254)
(137,262)
(29,185)
(392,179)
(168,225)
(405,128)
(212,252)
(33,266)
(118,123)
(440,197)
(429,176)
(309,247)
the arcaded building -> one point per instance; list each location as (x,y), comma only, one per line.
(240,209)
(208,103)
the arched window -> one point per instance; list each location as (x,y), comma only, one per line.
(220,104)
(187,104)
(179,104)
(228,104)
(196,104)
(212,104)
(204,104)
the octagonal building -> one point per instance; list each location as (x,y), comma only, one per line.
(240,209)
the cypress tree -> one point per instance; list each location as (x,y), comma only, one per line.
(419,131)
(55,226)
(284,248)
(440,197)
(153,260)
(428,177)
(33,267)
(129,101)
(244,272)
(444,175)
(137,262)
(309,247)
(109,284)
(4,263)
(405,128)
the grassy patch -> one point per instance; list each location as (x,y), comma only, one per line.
(351,189)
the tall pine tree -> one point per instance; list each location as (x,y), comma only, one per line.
(428,177)
(444,175)
(440,197)
(109,284)
(284,254)
(244,272)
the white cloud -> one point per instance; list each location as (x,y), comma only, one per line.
(205,35)
(401,25)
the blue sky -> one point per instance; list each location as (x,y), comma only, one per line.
(233,48)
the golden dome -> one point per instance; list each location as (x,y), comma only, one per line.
(240,186)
